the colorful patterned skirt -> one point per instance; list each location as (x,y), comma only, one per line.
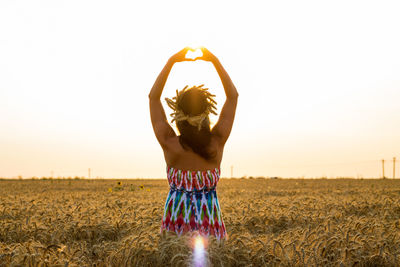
(192,203)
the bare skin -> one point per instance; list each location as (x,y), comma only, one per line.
(175,155)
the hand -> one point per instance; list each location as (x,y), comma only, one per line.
(181,55)
(207,55)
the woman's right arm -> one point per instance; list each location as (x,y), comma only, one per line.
(161,127)
(223,127)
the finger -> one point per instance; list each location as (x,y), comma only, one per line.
(183,51)
(187,59)
(187,48)
(206,50)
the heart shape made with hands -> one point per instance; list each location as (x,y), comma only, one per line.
(196,54)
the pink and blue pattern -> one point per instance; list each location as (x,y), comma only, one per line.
(192,203)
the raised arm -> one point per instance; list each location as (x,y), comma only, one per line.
(161,127)
(223,127)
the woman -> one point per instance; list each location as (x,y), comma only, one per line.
(193,158)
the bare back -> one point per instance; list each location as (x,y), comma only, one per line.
(185,159)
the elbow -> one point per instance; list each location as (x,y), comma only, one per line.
(234,95)
(233,92)
(152,96)
(153,99)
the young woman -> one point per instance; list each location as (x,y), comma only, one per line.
(193,158)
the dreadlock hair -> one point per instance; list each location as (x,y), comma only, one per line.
(193,103)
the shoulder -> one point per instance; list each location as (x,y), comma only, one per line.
(173,150)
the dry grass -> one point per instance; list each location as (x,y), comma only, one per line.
(270,223)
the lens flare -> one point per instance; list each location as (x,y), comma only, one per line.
(199,253)
(199,242)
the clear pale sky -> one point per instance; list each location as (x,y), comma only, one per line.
(318,82)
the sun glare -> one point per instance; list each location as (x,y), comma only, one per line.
(194,54)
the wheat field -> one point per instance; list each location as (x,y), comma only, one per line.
(270,222)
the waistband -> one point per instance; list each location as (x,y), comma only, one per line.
(204,189)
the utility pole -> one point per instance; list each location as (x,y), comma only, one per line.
(383,168)
(89,173)
(394,167)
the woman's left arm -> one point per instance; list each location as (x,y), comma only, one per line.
(161,127)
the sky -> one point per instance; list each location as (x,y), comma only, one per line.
(318,83)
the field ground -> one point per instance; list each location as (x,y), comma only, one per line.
(270,222)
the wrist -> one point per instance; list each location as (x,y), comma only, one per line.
(215,61)
(171,61)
